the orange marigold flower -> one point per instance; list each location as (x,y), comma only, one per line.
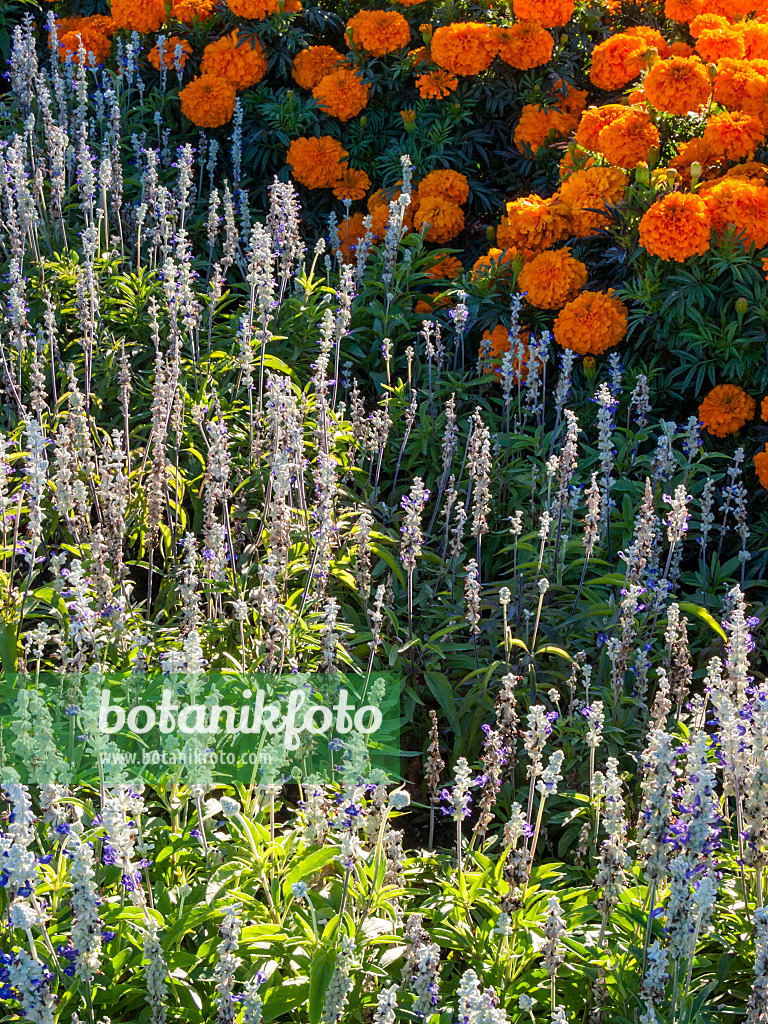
(445,269)
(764,403)
(435,300)
(379,32)
(436,85)
(552,278)
(652,38)
(550,13)
(680,49)
(591,323)
(570,100)
(575,159)
(500,344)
(755,35)
(732,9)
(380,211)
(726,409)
(617,61)
(495,261)
(585,193)
(592,122)
(683,10)
(450,185)
(97,45)
(733,202)
(348,235)
(707,21)
(761,466)
(733,134)
(342,93)
(258,10)
(676,226)
(242,63)
(352,184)
(190,11)
(208,101)
(314,63)
(677,85)
(538,127)
(692,152)
(715,43)
(316,162)
(445,219)
(628,139)
(525,45)
(466,47)
(419,56)
(532,224)
(138,15)
(169,52)
(734,81)
(410,3)
(752,170)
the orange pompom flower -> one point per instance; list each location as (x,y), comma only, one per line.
(715,43)
(628,139)
(550,13)
(500,344)
(677,85)
(465,48)
(494,262)
(726,409)
(169,53)
(97,45)
(208,101)
(436,85)
(314,63)
(445,184)
(342,93)
(445,269)
(316,162)
(552,279)
(532,224)
(651,37)
(592,122)
(733,134)
(379,32)
(707,21)
(764,403)
(138,15)
(591,323)
(352,184)
(258,10)
(735,82)
(348,235)
(241,62)
(569,99)
(683,11)
(190,11)
(586,193)
(525,45)
(761,466)
(538,127)
(617,61)
(676,226)
(445,219)
(733,202)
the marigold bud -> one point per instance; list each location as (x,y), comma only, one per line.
(642,174)
(741,306)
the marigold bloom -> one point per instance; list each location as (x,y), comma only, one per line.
(683,10)
(241,62)
(538,127)
(380,214)
(316,161)
(496,260)
(676,226)
(532,224)
(348,235)
(436,85)
(342,93)
(138,15)
(733,134)
(726,409)
(445,184)
(258,10)
(715,43)
(552,279)
(419,56)
(764,403)
(445,219)
(761,466)
(733,202)
(680,49)
(706,21)
(314,63)
(445,269)
(751,170)
(525,45)
(677,85)
(694,151)
(379,32)
(735,80)
(97,45)
(465,48)
(189,11)
(591,323)
(435,300)
(169,52)
(575,159)
(352,184)
(592,122)
(586,193)
(550,13)
(501,343)
(208,101)
(569,99)
(651,37)
(617,61)
(629,139)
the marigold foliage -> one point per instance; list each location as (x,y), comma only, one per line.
(726,409)
(552,279)
(316,161)
(591,323)
(676,227)
(208,101)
